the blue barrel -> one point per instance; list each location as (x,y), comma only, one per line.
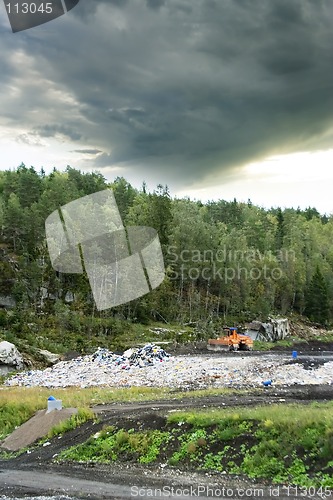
(266,383)
(294,354)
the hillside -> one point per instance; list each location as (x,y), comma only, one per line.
(226,263)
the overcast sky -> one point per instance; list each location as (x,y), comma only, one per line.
(216,98)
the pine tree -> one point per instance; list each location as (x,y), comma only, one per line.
(280,230)
(317,303)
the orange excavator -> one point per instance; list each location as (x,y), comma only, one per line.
(232,341)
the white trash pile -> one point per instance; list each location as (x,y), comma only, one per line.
(144,356)
(151,366)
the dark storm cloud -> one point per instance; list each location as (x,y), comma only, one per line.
(103,160)
(155,4)
(56,130)
(87,8)
(183,89)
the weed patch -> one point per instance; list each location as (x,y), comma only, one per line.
(112,444)
(82,416)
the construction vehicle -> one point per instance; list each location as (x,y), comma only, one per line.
(232,341)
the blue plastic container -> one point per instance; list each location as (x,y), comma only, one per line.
(266,383)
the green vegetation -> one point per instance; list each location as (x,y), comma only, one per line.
(283,444)
(14,415)
(18,404)
(317,302)
(226,263)
(82,416)
(110,444)
(266,346)
(89,334)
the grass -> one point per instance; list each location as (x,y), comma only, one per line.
(287,343)
(18,404)
(82,416)
(278,414)
(280,443)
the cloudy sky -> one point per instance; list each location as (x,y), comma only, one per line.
(216,98)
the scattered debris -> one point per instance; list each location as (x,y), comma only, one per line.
(159,330)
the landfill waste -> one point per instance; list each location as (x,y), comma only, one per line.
(151,366)
(144,356)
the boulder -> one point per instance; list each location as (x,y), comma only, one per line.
(10,358)
(49,357)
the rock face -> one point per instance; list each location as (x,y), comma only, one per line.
(10,358)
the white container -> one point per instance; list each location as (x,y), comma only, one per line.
(55,404)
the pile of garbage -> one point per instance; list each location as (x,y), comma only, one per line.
(103,367)
(144,356)
(151,366)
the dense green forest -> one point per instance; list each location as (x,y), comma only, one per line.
(225,261)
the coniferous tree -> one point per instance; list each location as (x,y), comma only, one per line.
(317,303)
(280,231)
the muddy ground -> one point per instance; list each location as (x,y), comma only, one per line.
(37,473)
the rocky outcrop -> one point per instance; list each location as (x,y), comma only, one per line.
(10,358)
(49,357)
(7,302)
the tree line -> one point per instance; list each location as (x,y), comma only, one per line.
(224,260)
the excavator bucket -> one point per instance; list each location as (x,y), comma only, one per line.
(216,346)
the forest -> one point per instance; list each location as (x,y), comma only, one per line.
(226,262)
